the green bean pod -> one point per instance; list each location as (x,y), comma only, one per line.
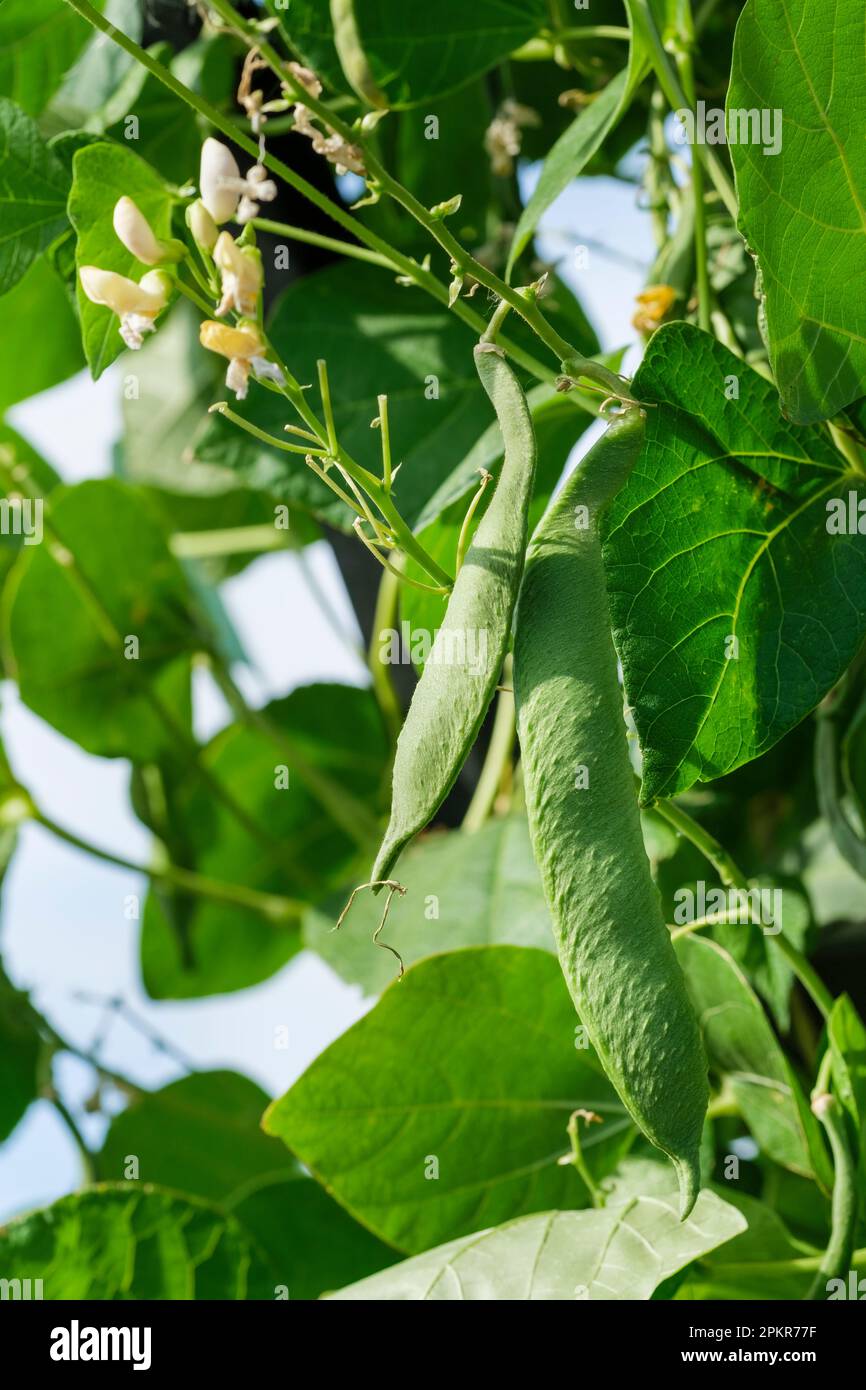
(613,944)
(465,662)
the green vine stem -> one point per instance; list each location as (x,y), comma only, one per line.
(845,837)
(676,97)
(685,44)
(836,1261)
(270,906)
(733,877)
(497,760)
(384,617)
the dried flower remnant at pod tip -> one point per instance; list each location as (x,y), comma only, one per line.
(654,302)
(224,193)
(242,276)
(136,305)
(245,349)
(137,235)
(502,139)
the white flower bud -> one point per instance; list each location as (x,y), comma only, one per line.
(202,225)
(218,178)
(136,234)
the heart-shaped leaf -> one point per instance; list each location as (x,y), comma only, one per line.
(734,607)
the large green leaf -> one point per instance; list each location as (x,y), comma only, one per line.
(134,1241)
(742,1047)
(40,344)
(70,608)
(411,54)
(622,1252)
(447,1105)
(39,41)
(20,1043)
(33,191)
(407,339)
(99,70)
(200,1135)
(313,1245)
(721,533)
(461,890)
(101,174)
(801,208)
(762,1263)
(305,847)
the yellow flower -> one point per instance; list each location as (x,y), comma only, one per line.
(136,305)
(245,349)
(654,301)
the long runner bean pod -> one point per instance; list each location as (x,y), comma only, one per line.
(465,661)
(613,944)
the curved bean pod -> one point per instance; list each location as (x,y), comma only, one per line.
(465,662)
(613,944)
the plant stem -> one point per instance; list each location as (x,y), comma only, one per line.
(232,540)
(328,243)
(686,36)
(385,617)
(88,1157)
(498,757)
(836,1260)
(676,98)
(270,906)
(732,877)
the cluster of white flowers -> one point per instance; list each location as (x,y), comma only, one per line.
(224,196)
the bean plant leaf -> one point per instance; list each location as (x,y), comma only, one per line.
(408,55)
(307,778)
(134,1241)
(742,1047)
(389,1099)
(791,61)
(199,1135)
(100,69)
(734,609)
(33,190)
(461,890)
(762,1263)
(414,351)
(20,1043)
(312,1243)
(39,41)
(76,605)
(41,343)
(621,1252)
(102,173)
